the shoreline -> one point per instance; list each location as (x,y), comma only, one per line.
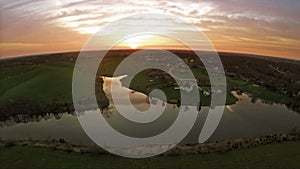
(221,146)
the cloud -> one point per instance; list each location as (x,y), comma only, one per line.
(233,21)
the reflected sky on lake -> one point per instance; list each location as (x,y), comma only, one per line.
(244,119)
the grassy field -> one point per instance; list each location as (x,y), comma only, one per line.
(44,82)
(258,91)
(283,155)
(52,82)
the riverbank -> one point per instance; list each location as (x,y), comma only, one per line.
(181,149)
(273,151)
(43,84)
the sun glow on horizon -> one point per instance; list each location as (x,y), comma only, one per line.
(133,46)
(253,27)
(148,41)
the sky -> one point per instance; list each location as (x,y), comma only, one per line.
(263,27)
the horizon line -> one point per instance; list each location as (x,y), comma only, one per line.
(123,49)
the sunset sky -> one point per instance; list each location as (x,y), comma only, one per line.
(266,27)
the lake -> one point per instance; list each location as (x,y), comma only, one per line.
(246,118)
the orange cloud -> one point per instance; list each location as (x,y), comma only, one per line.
(258,27)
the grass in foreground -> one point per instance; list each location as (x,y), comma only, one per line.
(283,155)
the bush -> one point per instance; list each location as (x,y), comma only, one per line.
(10,144)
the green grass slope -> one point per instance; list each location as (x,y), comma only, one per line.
(51,82)
(44,82)
(275,156)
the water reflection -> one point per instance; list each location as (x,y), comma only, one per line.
(25,118)
(244,119)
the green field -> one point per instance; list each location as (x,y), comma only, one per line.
(273,156)
(44,82)
(51,82)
